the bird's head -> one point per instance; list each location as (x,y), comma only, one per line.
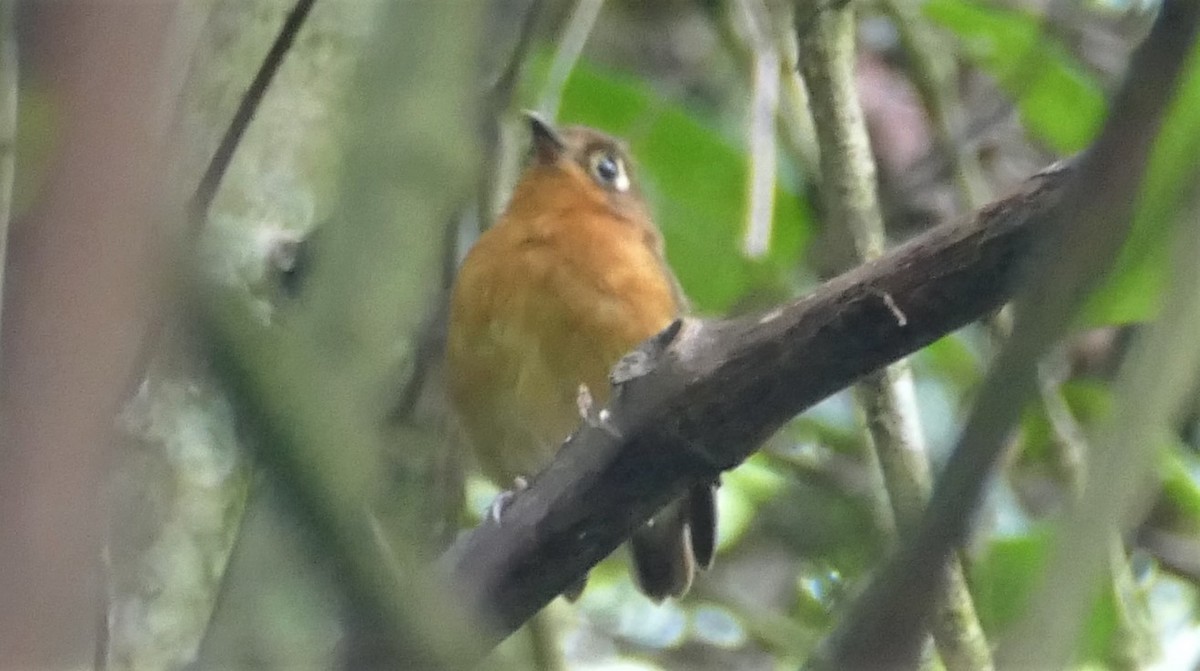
(578,165)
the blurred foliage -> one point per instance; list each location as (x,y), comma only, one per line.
(1005,576)
(1063,106)
(1087,400)
(1059,103)
(1133,290)
(1178,508)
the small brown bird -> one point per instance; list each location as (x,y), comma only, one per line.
(571,279)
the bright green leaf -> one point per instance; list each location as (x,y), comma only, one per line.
(1178,505)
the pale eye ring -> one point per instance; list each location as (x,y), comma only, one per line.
(608,170)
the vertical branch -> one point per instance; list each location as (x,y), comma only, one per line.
(795,112)
(9,83)
(579,26)
(751,20)
(888,398)
(82,275)
(498,164)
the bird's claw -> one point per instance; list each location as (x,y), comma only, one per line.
(585,404)
(600,419)
(505,498)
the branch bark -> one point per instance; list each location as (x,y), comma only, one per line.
(703,395)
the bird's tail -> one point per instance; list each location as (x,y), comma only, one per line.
(680,538)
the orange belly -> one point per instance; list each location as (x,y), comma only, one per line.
(535,316)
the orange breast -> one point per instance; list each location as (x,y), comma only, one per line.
(542,304)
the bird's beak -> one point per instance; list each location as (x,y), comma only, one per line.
(548,145)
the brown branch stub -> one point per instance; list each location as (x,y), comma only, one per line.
(716,389)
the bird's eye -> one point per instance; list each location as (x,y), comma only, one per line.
(608,170)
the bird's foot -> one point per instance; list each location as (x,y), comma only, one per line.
(600,419)
(505,498)
(585,404)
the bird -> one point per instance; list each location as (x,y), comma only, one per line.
(570,278)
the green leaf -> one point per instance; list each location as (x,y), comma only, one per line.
(1037,438)
(952,359)
(1178,506)
(743,491)
(1059,102)
(696,181)
(1003,579)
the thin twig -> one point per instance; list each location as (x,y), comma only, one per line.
(751,20)
(579,26)
(206,190)
(499,99)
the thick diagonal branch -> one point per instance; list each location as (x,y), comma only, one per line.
(701,397)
